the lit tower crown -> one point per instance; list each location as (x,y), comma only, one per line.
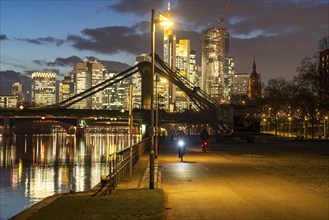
(169,40)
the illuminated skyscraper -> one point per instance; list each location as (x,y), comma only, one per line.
(17,91)
(217,66)
(137,82)
(183,64)
(65,88)
(169,56)
(85,75)
(43,88)
(194,76)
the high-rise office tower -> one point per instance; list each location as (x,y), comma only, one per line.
(17,91)
(183,64)
(169,56)
(85,75)
(65,88)
(194,76)
(116,97)
(43,88)
(137,82)
(217,66)
(228,77)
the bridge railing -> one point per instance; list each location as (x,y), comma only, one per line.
(119,162)
(205,103)
(99,87)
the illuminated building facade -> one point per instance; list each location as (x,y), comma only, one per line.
(65,88)
(169,57)
(17,91)
(240,84)
(217,65)
(116,97)
(194,70)
(183,64)
(137,82)
(85,75)
(8,101)
(43,88)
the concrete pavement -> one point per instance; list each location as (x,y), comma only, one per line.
(213,185)
(141,175)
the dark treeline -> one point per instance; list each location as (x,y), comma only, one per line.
(302,104)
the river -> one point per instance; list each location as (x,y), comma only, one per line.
(33,167)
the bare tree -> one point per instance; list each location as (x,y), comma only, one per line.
(323,43)
(277,99)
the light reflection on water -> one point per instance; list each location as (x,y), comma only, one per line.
(34,167)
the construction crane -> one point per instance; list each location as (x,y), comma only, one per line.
(221,19)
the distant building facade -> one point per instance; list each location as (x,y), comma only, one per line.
(217,65)
(65,88)
(183,64)
(8,101)
(17,91)
(195,73)
(137,82)
(85,75)
(116,97)
(240,84)
(43,88)
(169,57)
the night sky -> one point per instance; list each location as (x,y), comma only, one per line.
(54,35)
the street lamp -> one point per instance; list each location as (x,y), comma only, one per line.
(164,21)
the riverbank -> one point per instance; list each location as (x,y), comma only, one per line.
(131,199)
(120,204)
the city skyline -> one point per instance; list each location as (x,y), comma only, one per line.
(54,35)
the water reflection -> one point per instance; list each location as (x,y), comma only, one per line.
(33,167)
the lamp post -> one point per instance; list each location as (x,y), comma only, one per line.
(151,104)
(164,21)
(325,127)
(156,117)
(289,124)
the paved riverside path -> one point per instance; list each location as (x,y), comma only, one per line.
(212,185)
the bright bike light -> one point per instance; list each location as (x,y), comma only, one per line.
(180,143)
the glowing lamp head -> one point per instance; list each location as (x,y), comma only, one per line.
(181,143)
(165,21)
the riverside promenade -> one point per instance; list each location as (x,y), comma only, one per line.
(272,178)
(131,199)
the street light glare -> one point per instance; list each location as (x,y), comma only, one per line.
(165,21)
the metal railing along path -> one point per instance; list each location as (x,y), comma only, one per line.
(119,166)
